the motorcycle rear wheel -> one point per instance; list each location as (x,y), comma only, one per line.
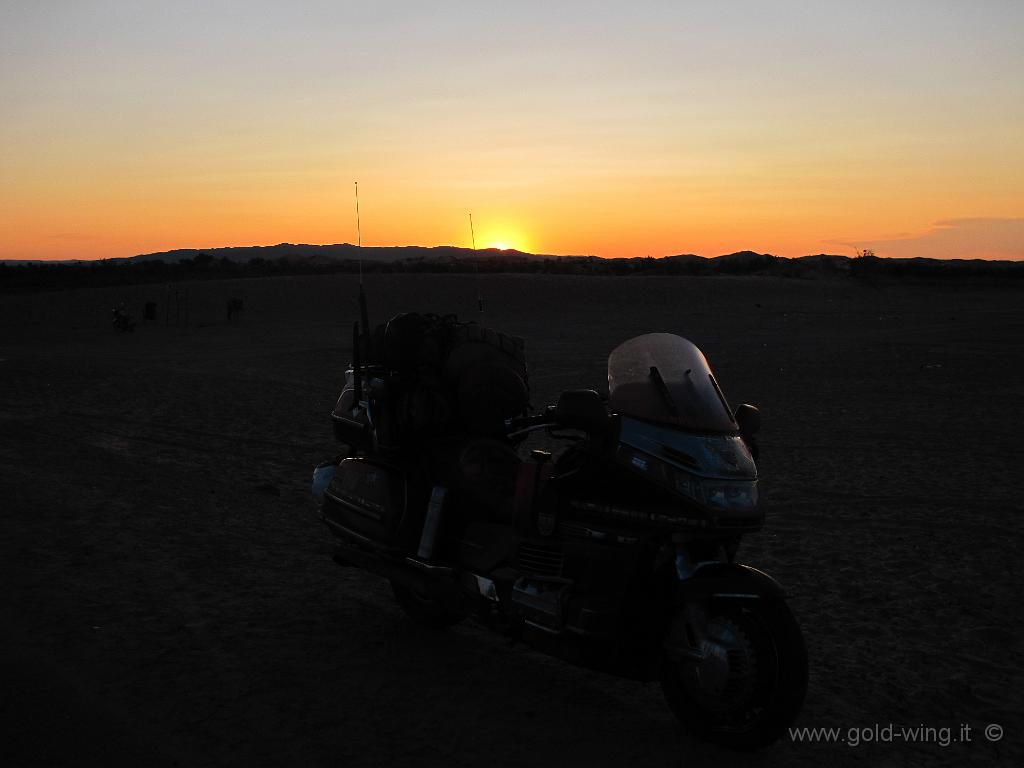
(753,688)
(421,609)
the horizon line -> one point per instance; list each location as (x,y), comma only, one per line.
(354,246)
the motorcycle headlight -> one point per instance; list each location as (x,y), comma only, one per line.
(726,495)
(730,494)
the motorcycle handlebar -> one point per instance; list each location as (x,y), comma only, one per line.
(546,417)
(577,409)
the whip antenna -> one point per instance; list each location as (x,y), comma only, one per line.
(476,269)
(359,236)
(363,314)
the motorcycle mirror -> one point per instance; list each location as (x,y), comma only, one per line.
(748,418)
(581,409)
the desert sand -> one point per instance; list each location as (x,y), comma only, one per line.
(168,595)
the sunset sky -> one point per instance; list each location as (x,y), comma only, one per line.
(614,129)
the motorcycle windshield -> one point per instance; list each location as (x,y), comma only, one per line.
(664,378)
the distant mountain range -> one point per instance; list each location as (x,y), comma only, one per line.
(331,253)
(290,259)
(341,252)
(313,255)
(326,254)
(439,256)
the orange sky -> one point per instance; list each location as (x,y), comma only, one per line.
(817,127)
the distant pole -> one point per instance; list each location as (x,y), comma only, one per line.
(359,236)
(472,234)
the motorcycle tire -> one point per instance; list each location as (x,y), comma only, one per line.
(761,693)
(421,609)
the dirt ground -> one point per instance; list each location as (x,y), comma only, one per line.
(168,597)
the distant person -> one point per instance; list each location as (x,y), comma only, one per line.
(122,320)
(234,307)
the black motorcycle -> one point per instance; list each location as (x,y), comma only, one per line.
(121,320)
(618,552)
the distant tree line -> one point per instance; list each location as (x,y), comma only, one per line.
(41,276)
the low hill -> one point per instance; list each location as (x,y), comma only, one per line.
(340,252)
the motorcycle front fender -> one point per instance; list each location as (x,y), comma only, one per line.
(728,580)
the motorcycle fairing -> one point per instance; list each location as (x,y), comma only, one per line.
(715,456)
(728,580)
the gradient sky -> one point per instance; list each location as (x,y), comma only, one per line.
(615,129)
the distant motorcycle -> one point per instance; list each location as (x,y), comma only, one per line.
(618,553)
(122,321)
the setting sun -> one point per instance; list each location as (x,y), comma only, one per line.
(503,236)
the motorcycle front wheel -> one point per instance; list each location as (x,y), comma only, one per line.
(738,673)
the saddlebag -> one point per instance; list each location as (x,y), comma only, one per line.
(367,503)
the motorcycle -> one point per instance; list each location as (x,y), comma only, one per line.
(121,320)
(617,553)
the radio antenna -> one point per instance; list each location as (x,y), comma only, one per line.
(359,236)
(363,314)
(476,270)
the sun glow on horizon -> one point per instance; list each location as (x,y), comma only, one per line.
(618,145)
(503,236)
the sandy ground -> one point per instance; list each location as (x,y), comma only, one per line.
(167,597)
